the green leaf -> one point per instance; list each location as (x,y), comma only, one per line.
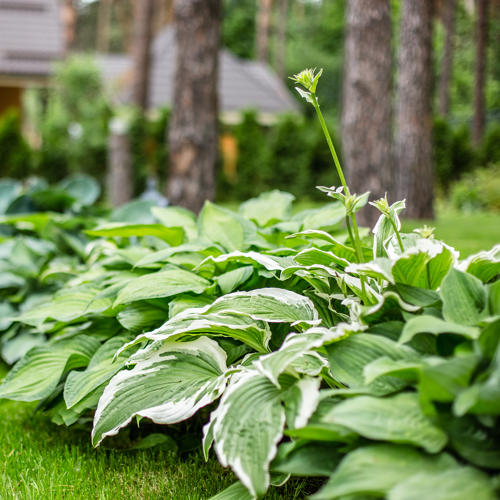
(248,426)
(273,206)
(158,441)
(327,216)
(268,262)
(303,458)
(436,326)
(459,483)
(236,491)
(101,368)
(349,357)
(311,256)
(139,316)
(464,298)
(15,348)
(484,265)
(67,305)
(168,387)
(241,327)
(162,284)
(84,188)
(183,302)
(383,229)
(397,418)
(224,227)
(233,279)
(375,469)
(177,217)
(135,212)
(295,345)
(10,189)
(36,375)
(172,235)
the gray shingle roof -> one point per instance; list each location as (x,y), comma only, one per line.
(31,37)
(242,84)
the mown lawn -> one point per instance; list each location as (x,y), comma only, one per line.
(39,460)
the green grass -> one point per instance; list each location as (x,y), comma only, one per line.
(40,460)
(468,234)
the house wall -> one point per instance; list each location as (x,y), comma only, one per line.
(10,97)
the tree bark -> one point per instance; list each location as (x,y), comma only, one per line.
(69,22)
(263,21)
(367,108)
(482,43)
(281,39)
(125,15)
(103,25)
(193,132)
(413,141)
(142,57)
(444,83)
(119,175)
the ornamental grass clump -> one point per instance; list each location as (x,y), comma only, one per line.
(306,349)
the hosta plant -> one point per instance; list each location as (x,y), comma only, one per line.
(372,364)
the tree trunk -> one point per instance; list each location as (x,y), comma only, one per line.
(119,175)
(263,21)
(482,42)
(142,57)
(69,22)
(444,83)
(125,15)
(413,141)
(281,39)
(103,25)
(366,112)
(193,133)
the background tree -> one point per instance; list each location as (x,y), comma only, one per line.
(366,110)
(263,23)
(413,140)
(193,131)
(281,38)
(444,83)
(482,44)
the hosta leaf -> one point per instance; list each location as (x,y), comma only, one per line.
(348,358)
(375,469)
(269,207)
(303,458)
(241,327)
(165,254)
(396,418)
(236,491)
(464,298)
(436,326)
(380,268)
(438,267)
(248,426)
(101,368)
(484,265)
(183,302)
(177,217)
(232,279)
(318,218)
(458,483)
(168,387)
(295,345)
(389,304)
(162,284)
(269,262)
(274,305)
(301,401)
(36,375)
(83,187)
(172,235)
(138,316)
(383,229)
(67,305)
(15,348)
(224,227)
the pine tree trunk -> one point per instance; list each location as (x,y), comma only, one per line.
(69,21)
(413,140)
(367,111)
(193,134)
(281,39)
(444,83)
(103,25)
(119,174)
(263,21)
(482,42)
(142,57)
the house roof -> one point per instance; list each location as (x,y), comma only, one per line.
(31,37)
(242,84)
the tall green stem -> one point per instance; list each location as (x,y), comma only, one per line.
(356,240)
(398,235)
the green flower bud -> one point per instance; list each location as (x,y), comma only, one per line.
(425,232)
